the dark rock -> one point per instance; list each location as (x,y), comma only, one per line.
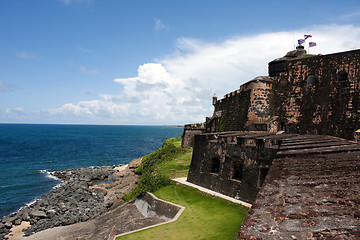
(8,225)
(51,213)
(8,219)
(17,222)
(38,214)
(73,201)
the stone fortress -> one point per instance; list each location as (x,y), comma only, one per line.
(289,144)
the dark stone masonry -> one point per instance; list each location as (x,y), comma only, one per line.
(190,130)
(287,143)
(319,94)
(232,163)
(311,192)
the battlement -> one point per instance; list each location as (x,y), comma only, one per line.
(240,109)
(190,130)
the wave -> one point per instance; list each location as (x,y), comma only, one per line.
(50,175)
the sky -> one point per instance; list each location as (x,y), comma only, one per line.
(159,62)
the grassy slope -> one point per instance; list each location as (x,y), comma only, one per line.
(205,217)
(178,167)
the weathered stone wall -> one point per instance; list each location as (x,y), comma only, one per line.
(232,164)
(240,109)
(190,130)
(310,192)
(319,95)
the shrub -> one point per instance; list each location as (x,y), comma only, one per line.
(150,178)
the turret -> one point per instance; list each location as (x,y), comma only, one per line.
(214,99)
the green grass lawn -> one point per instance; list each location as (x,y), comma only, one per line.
(205,217)
(178,167)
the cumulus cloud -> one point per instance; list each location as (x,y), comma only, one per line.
(178,88)
(88,71)
(17,111)
(25,55)
(159,25)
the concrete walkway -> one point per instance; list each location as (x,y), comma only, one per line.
(210,192)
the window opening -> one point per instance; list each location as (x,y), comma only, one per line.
(311,80)
(238,170)
(215,165)
(262,175)
(342,76)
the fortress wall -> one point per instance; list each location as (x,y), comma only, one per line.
(319,95)
(234,165)
(241,108)
(190,130)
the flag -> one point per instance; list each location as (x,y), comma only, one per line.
(312,44)
(307,36)
(300,41)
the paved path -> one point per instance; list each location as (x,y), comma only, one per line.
(210,192)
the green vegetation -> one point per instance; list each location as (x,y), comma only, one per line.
(221,124)
(158,167)
(178,166)
(205,217)
(309,55)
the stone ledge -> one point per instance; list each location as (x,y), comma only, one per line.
(149,205)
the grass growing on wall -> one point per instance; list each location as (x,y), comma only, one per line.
(205,217)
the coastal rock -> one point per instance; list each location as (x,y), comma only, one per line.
(134,164)
(38,214)
(17,222)
(8,225)
(8,219)
(50,213)
(77,199)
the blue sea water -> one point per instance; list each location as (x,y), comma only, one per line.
(27,150)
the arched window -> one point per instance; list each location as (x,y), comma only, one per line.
(311,80)
(342,76)
(342,80)
(215,165)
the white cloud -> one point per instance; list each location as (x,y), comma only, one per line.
(178,88)
(15,111)
(88,71)
(159,25)
(84,50)
(25,55)
(4,87)
(68,2)
(351,15)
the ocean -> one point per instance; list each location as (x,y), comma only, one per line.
(28,152)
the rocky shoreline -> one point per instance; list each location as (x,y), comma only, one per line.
(78,199)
